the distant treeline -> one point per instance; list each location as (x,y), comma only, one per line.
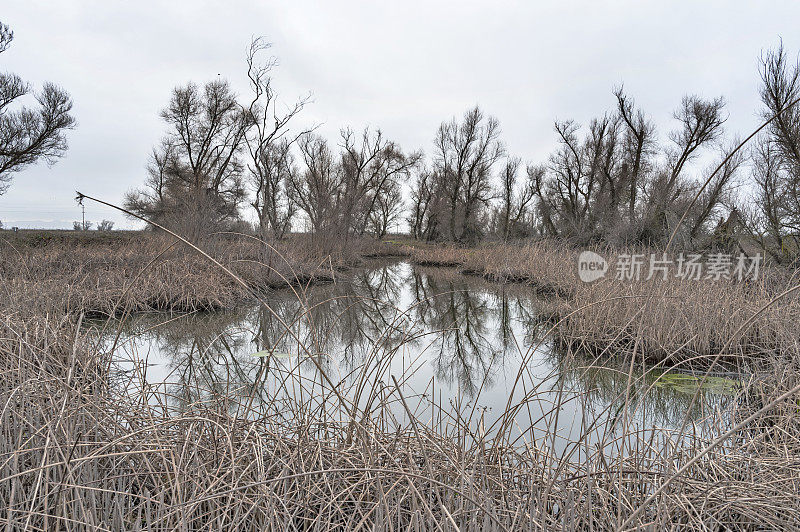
(615,180)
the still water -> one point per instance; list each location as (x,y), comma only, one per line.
(447,339)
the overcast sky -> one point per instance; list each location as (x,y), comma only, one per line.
(401,66)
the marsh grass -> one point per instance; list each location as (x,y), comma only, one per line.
(114,274)
(81,449)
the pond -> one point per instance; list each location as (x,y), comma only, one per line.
(449,341)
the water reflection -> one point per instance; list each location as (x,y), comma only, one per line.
(459,338)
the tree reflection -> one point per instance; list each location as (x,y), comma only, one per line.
(463,351)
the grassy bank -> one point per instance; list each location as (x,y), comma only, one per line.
(113,273)
(668,319)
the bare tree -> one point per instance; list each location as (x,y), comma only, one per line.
(590,188)
(515,200)
(583,189)
(509,181)
(273,197)
(269,145)
(638,146)
(316,186)
(388,210)
(29,135)
(195,176)
(355,191)
(614,181)
(776,159)
(718,193)
(774,205)
(430,205)
(81,226)
(105,225)
(154,200)
(422,198)
(668,192)
(464,155)
(370,167)
(780,89)
(701,124)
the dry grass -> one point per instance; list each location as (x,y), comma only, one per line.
(83,448)
(60,272)
(444,255)
(545,265)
